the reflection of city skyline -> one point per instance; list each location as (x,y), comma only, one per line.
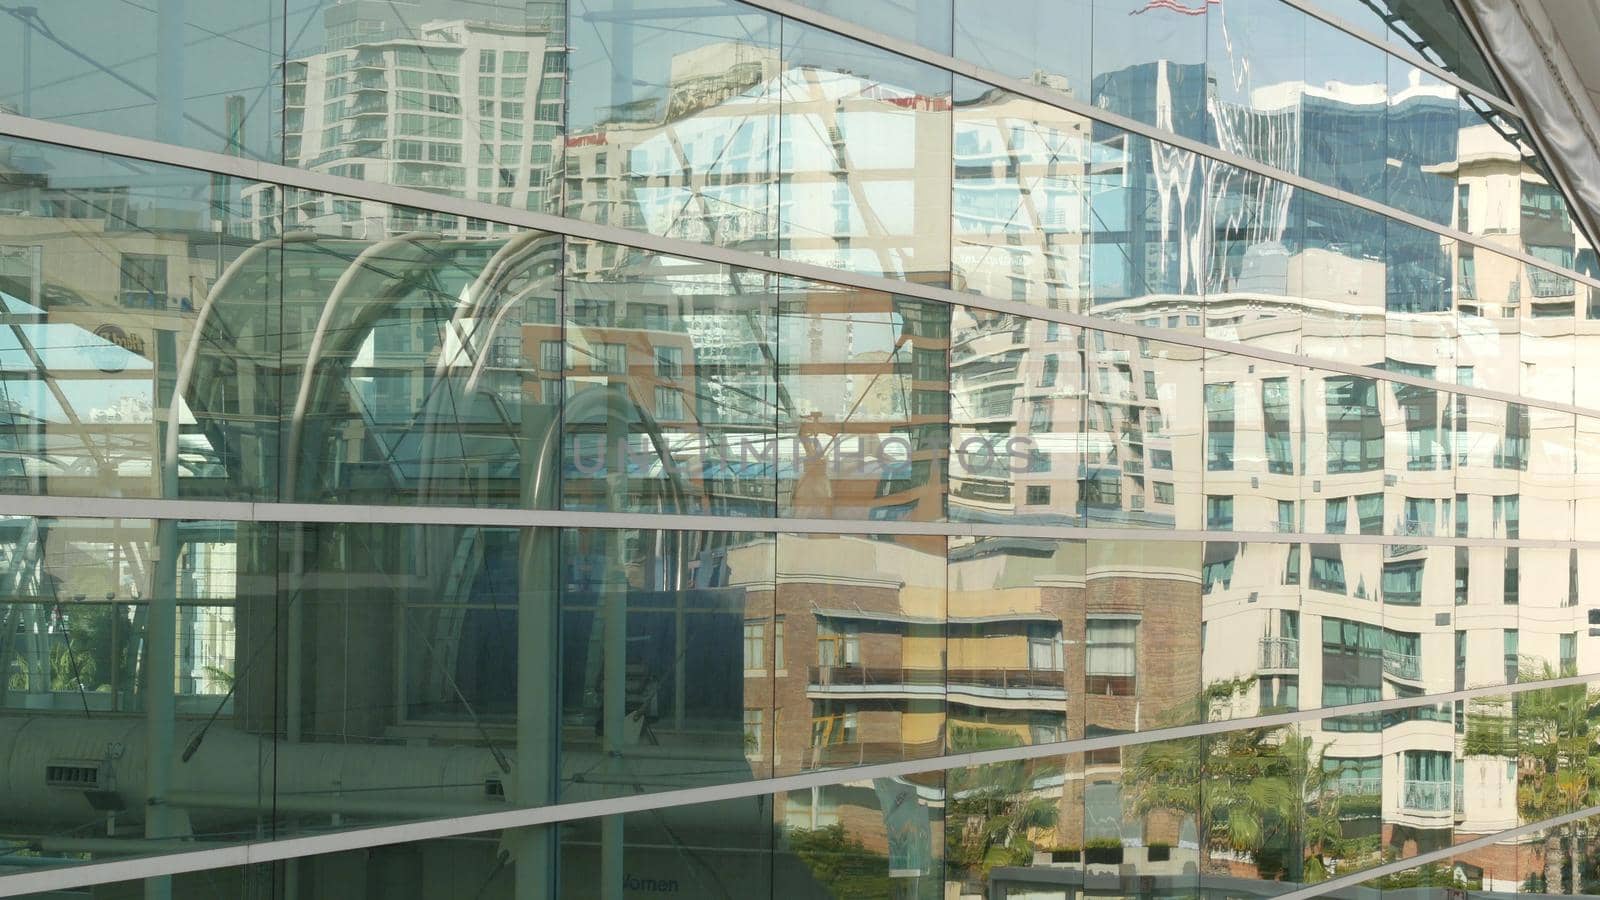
(1260,452)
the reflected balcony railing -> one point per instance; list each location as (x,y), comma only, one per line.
(1359,787)
(897,676)
(1461,799)
(844,753)
(1280,653)
(874,676)
(1428,796)
(1402,665)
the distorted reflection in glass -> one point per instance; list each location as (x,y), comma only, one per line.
(863,676)
(1145,210)
(139,331)
(1022,199)
(1257,56)
(1015,641)
(1150,62)
(1141,650)
(1141,446)
(864,158)
(673,121)
(919,21)
(863,403)
(1250,622)
(196,75)
(883,837)
(671,366)
(664,641)
(464,99)
(1045,42)
(413,368)
(1016,392)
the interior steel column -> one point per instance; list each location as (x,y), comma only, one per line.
(535,850)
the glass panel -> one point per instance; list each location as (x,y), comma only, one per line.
(864,157)
(1555,757)
(1257,61)
(393,631)
(465,101)
(666,641)
(1140,465)
(124,284)
(879,838)
(1024,184)
(1254,441)
(1015,413)
(866,630)
(1013,638)
(415,371)
(199,75)
(1347,783)
(671,368)
(919,21)
(1252,793)
(1255,650)
(1345,450)
(1141,600)
(1150,63)
(1143,215)
(673,121)
(1048,42)
(863,403)
(720,849)
(1010,825)
(1344,279)
(136,714)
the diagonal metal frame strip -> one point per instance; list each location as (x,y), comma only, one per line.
(125,508)
(288,848)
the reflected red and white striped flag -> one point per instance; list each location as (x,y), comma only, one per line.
(1177,7)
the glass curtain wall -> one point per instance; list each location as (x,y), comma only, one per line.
(412,411)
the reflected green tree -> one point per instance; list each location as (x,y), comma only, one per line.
(994,812)
(1552,733)
(1259,793)
(841,863)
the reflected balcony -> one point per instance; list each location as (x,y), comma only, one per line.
(1428,796)
(856,753)
(905,682)
(1406,666)
(977,685)
(1359,787)
(1279,653)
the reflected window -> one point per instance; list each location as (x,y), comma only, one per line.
(1110,660)
(1355,429)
